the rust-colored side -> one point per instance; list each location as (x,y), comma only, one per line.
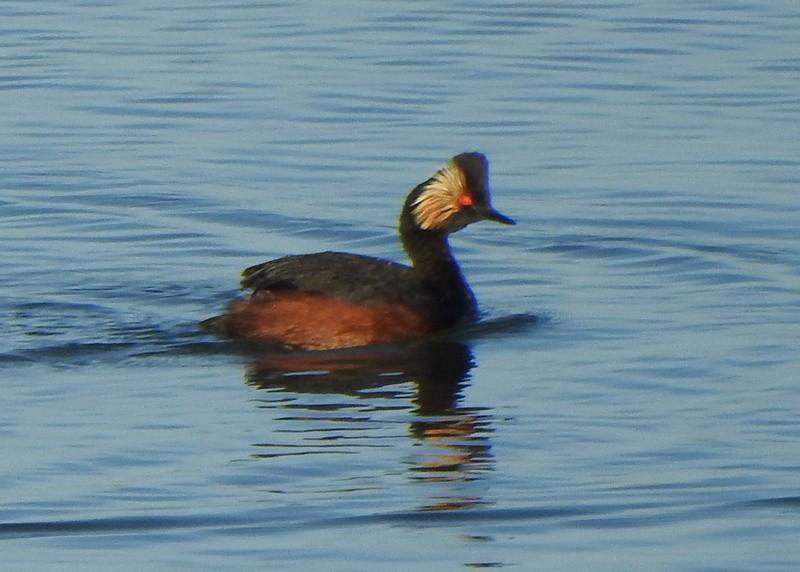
(317,322)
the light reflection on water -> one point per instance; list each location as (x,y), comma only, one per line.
(451,441)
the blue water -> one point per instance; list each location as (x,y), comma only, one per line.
(630,400)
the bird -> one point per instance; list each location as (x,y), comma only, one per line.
(332,300)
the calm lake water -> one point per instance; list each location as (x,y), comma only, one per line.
(631,400)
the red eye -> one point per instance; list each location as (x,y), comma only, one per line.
(465,200)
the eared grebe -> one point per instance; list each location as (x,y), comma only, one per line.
(337,300)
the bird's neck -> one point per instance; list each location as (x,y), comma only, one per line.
(429,251)
(435,266)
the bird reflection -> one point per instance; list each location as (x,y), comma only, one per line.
(451,440)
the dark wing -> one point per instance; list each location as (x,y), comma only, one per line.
(349,277)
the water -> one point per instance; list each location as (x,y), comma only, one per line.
(629,402)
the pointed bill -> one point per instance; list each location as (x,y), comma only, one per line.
(490,214)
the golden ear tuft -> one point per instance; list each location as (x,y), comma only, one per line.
(441,198)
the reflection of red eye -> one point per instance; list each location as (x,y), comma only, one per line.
(465,200)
